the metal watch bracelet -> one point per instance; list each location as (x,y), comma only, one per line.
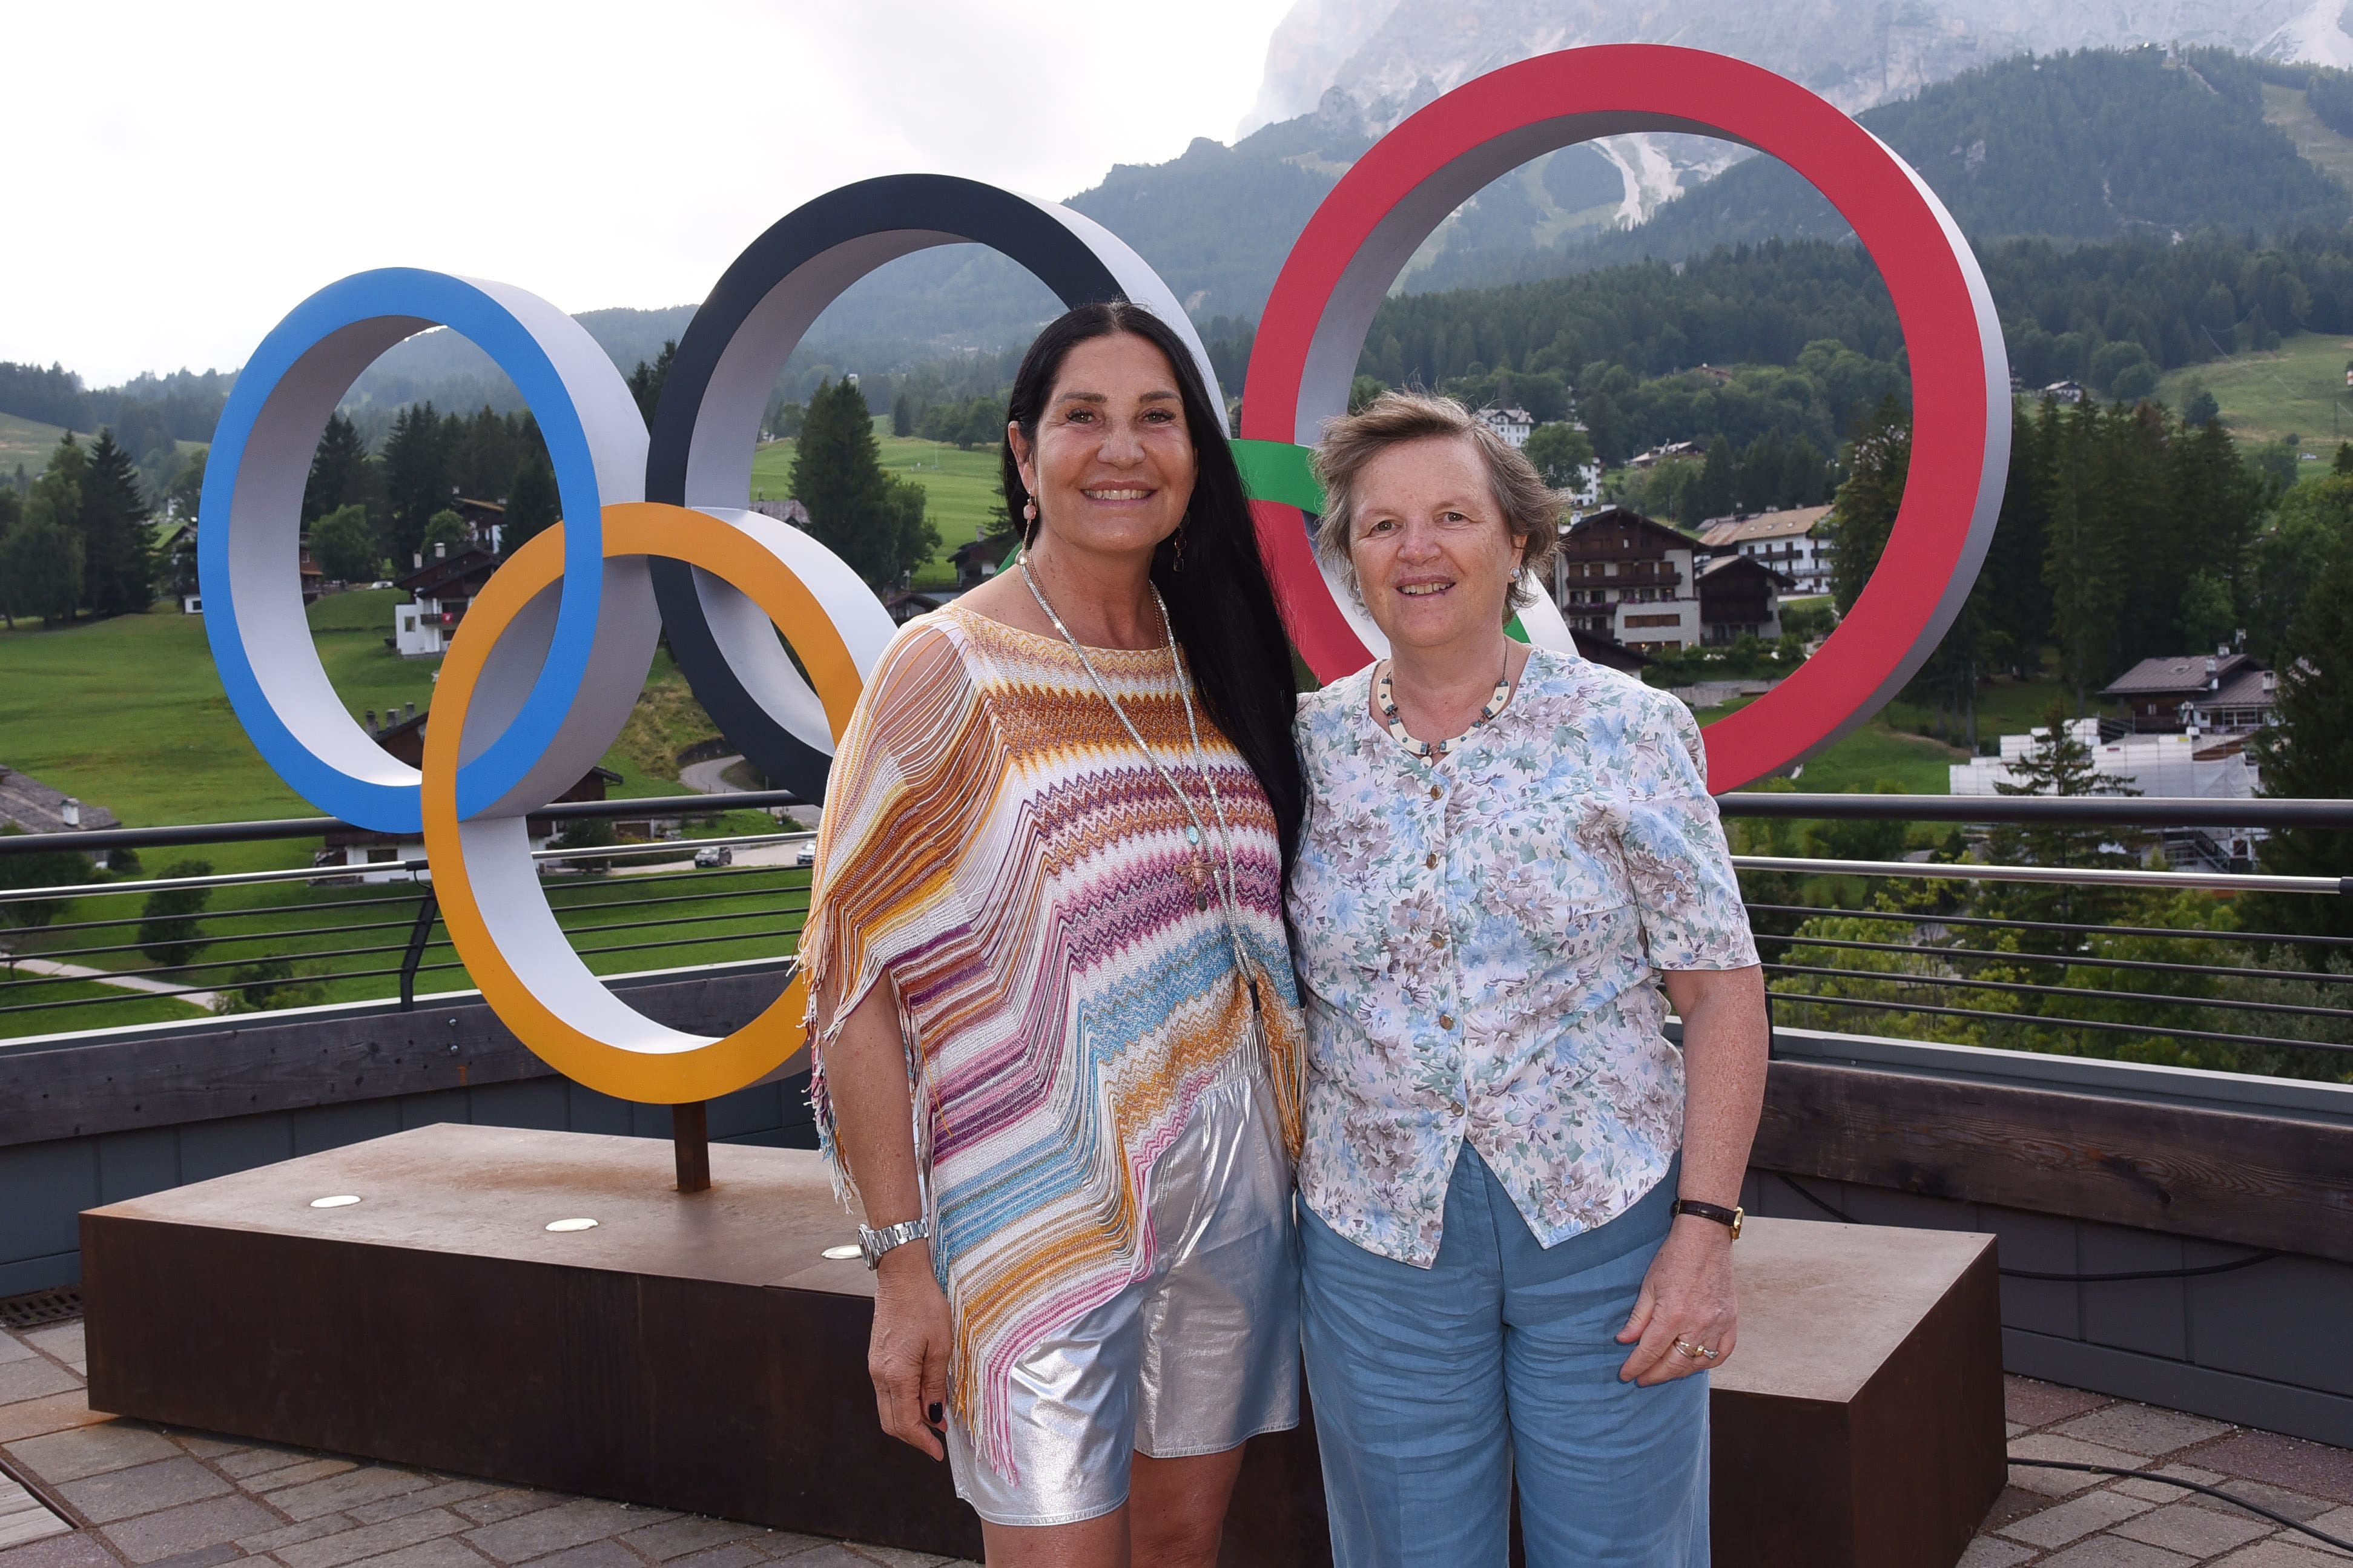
(872,1244)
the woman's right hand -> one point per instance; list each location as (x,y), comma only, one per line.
(908,1356)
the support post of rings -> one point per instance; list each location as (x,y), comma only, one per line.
(689,1142)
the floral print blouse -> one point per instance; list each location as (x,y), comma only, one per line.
(1478,941)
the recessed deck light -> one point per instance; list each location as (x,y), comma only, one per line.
(583,1224)
(338,1201)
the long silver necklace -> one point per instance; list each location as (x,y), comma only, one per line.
(1196,830)
(1385,694)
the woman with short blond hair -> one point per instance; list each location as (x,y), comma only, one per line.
(1510,1173)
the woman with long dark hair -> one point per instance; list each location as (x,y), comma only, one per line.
(1058,1044)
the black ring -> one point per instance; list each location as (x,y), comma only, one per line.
(777,287)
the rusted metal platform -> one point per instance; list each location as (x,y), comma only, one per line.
(698,1351)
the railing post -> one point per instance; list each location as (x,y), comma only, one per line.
(427,909)
(689,1136)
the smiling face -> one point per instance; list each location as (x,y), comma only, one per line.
(1111,468)
(1433,555)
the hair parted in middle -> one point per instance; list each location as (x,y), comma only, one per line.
(1222,606)
(1530,507)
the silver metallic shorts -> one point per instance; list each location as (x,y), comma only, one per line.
(1197,1357)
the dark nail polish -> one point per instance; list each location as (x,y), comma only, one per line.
(935,1415)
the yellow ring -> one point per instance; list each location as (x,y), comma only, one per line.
(670,1073)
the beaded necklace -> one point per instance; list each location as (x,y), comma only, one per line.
(1195,829)
(1385,695)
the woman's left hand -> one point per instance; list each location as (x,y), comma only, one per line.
(1687,1295)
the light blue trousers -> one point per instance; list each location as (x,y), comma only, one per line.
(1433,1386)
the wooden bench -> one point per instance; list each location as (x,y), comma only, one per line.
(699,1351)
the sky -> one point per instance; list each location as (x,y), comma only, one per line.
(188,173)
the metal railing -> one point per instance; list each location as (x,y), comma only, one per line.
(2154,963)
(360,930)
(1926,950)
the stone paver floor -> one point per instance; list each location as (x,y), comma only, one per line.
(140,1496)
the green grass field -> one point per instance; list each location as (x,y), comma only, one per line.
(2331,154)
(345,942)
(2297,390)
(129,713)
(1890,747)
(23,441)
(960,490)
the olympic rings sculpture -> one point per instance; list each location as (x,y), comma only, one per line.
(552,652)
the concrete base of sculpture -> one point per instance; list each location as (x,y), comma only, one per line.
(699,1351)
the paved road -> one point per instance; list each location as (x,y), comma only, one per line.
(708,777)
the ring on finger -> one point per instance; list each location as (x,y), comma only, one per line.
(1696,1353)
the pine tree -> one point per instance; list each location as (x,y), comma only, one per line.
(2081,560)
(2308,754)
(11,513)
(1869,499)
(646,381)
(532,503)
(2215,508)
(185,493)
(339,471)
(415,480)
(2017,600)
(40,570)
(118,553)
(872,521)
(1718,480)
(2061,766)
(902,416)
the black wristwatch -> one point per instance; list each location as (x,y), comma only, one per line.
(1729,1218)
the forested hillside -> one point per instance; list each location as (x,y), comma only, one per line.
(2090,145)
(2110,315)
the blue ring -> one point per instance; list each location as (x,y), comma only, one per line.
(466,310)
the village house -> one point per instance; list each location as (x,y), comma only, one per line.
(976,561)
(1740,597)
(485,522)
(1621,575)
(785,510)
(1795,542)
(1659,454)
(1514,424)
(2065,392)
(31,806)
(2222,693)
(378,857)
(439,589)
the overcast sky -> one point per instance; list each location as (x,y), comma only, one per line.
(186,174)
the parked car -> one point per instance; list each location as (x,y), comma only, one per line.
(717,855)
(806,856)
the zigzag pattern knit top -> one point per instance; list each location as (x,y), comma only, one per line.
(994,842)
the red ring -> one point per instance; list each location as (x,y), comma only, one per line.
(1401,189)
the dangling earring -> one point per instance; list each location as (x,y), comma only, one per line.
(1178,564)
(1029,523)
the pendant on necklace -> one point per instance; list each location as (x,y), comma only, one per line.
(1192,834)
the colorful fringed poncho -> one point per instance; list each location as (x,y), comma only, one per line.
(994,842)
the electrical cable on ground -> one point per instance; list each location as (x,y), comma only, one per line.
(2189,1486)
(2119,1278)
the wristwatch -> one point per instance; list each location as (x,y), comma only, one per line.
(872,1244)
(1730,1218)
